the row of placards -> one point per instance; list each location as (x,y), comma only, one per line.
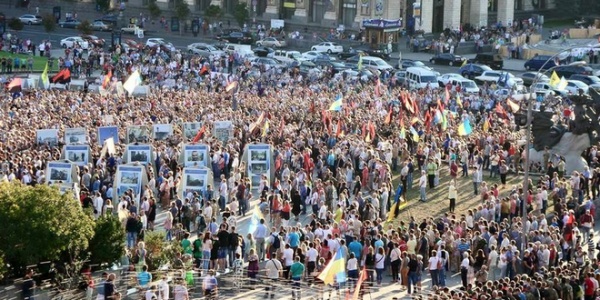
(223,130)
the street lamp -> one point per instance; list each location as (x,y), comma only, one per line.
(530,101)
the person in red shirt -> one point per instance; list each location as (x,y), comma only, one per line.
(588,287)
(453,170)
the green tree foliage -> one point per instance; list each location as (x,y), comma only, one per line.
(182,10)
(85,27)
(158,250)
(575,9)
(153,9)
(241,13)
(15,24)
(107,245)
(49,23)
(214,11)
(39,224)
(104,5)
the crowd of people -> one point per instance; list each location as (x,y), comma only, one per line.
(333,190)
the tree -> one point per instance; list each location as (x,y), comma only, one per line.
(107,244)
(182,12)
(103,5)
(15,24)
(240,13)
(49,23)
(153,9)
(85,27)
(213,11)
(40,224)
(158,251)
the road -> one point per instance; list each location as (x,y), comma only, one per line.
(37,34)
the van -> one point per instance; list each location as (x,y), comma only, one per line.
(376,63)
(466,85)
(492,60)
(419,78)
(286,56)
(232,48)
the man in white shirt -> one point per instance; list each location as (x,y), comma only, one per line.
(223,194)
(311,257)
(163,289)
(151,293)
(98,205)
(423,186)
(274,270)
(493,262)
(288,259)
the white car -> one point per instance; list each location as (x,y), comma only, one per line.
(328,47)
(311,55)
(448,77)
(31,19)
(155,42)
(271,42)
(71,41)
(573,86)
(544,87)
(495,76)
(205,50)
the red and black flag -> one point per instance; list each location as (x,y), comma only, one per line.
(64,76)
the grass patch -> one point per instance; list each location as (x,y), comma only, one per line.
(559,23)
(39,63)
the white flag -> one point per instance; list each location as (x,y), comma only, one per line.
(132,82)
(108,147)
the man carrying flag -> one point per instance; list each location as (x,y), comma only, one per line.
(44,78)
(107,78)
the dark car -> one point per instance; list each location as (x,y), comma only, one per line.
(72,23)
(237,37)
(352,52)
(352,62)
(383,54)
(492,60)
(407,63)
(471,71)
(335,65)
(321,58)
(305,67)
(537,62)
(111,18)
(568,71)
(530,77)
(587,79)
(93,40)
(262,51)
(447,59)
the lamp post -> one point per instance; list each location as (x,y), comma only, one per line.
(528,142)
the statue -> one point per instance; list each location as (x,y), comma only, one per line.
(567,140)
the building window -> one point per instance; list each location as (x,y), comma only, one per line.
(365,7)
(518,4)
(493,5)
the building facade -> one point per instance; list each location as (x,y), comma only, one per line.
(426,15)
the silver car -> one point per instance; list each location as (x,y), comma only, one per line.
(204,50)
(31,19)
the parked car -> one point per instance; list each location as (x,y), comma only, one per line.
(71,41)
(496,76)
(271,42)
(591,80)
(568,71)
(204,50)
(530,77)
(471,71)
(263,51)
(286,56)
(400,77)
(94,40)
(537,62)
(308,68)
(354,75)
(447,59)
(111,18)
(132,29)
(492,60)
(100,25)
(31,19)
(267,61)
(328,47)
(337,66)
(574,86)
(311,55)
(383,54)
(72,23)
(407,63)
(237,37)
(448,77)
(133,45)
(155,42)
(351,52)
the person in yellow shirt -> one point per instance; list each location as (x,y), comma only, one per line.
(339,213)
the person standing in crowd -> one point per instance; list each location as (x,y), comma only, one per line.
(296,275)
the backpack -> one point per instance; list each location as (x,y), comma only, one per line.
(276,242)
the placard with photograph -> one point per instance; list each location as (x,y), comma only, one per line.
(196,155)
(223,130)
(190,129)
(129,177)
(194,180)
(78,154)
(75,136)
(47,137)
(107,132)
(58,172)
(139,134)
(162,131)
(139,153)
(259,157)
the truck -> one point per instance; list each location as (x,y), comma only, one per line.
(132,29)
(231,48)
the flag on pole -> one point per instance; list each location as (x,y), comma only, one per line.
(402,130)
(337,104)
(458,101)
(199,134)
(134,80)
(447,95)
(281,126)
(554,80)
(388,118)
(107,79)
(108,147)
(335,271)
(394,206)
(378,88)
(415,134)
(464,128)
(360,62)
(265,128)
(338,130)
(62,77)
(362,277)
(486,125)
(232,85)
(464,63)
(514,107)
(45,79)
(15,85)
(259,121)
(562,84)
